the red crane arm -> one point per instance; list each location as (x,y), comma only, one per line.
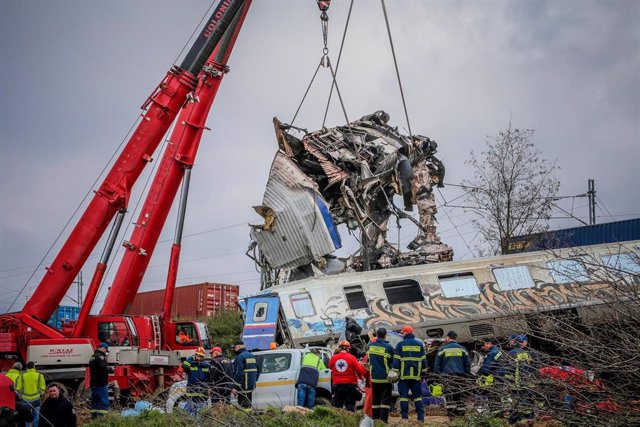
(179,154)
(113,194)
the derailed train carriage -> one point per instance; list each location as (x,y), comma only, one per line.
(487,297)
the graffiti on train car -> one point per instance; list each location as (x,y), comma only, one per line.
(490,300)
(437,307)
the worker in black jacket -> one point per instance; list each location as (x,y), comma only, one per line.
(99,380)
(454,363)
(56,410)
(221,377)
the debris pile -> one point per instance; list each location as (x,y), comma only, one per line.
(347,175)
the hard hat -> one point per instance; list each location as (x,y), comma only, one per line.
(273,346)
(345,344)
(199,351)
(406,330)
(393,376)
(216,349)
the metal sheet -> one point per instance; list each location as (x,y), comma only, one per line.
(300,233)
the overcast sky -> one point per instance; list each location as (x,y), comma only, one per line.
(74,74)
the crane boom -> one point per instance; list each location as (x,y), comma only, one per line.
(113,194)
(179,155)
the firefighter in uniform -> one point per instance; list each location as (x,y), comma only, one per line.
(246,374)
(221,377)
(197,371)
(380,356)
(519,368)
(410,361)
(453,360)
(491,363)
(99,380)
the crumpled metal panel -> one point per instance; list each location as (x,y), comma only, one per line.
(302,231)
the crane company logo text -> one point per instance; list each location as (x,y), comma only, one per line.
(61,351)
(216,17)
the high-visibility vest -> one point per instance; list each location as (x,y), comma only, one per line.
(33,385)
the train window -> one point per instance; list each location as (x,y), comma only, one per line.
(302,305)
(626,264)
(568,271)
(355,297)
(260,312)
(512,278)
(403,291)
(458,285)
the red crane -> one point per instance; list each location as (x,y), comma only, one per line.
(25,335)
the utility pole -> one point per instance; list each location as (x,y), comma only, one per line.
(80,284)
(591,193)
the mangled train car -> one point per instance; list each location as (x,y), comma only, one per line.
(346,175)
(488,297)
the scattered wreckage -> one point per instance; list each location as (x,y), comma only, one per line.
(346,175)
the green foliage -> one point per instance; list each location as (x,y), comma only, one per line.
(145,419)
(481,420)
(225,327)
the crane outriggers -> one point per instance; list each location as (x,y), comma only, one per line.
(144,349)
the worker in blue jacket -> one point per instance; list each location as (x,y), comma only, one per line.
(380,355)
(246,374)
(197,371)
(491,364)
(410,362)
(453,361)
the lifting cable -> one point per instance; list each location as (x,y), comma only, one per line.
(325,61)
(395,63)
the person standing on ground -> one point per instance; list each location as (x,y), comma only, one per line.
(308,378)
(99,380)
(32,387)
(491,363)
(380,355)
(453,360)
(7,392)
(15,372)
(345,371)
(57,410)
(221,377)
(246,374)
(410,361)
(198,372)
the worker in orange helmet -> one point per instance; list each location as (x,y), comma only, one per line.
(273,345)
(197,371)
(345,371)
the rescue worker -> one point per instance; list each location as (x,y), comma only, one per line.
(99,380)
(410,361)
(518,370)
(345,371)
(57,410)
(246,374)
(32,386)
(453,360)
(197,371)
(490,364)
(308,377)
(15,372)
(380,356)
(221,377)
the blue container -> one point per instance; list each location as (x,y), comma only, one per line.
(64,313)
(610,232)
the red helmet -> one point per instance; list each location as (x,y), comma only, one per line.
(345,344)
(199,351)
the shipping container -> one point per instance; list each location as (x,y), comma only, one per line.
(64,313)
(609,232)
(200,300)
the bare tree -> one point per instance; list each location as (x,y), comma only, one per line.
(512,188)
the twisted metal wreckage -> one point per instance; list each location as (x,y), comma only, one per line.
(346,175)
